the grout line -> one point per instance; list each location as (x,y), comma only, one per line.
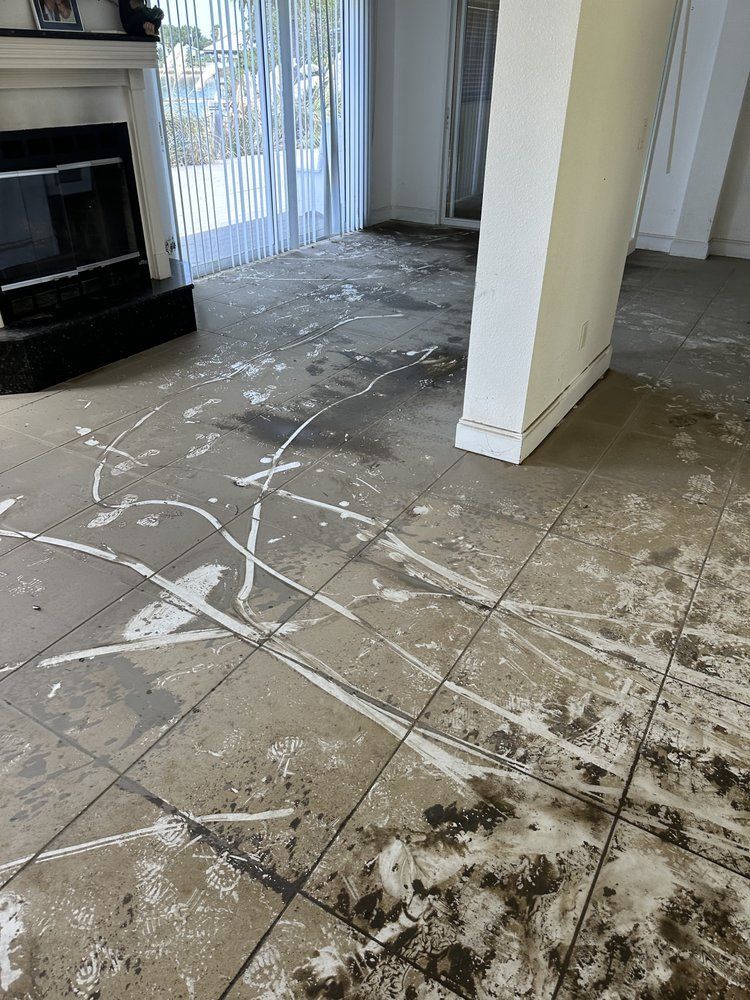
(95,758)
(623,798)
(386,946)
(566,534)
(636,759)
(684,847)
(246,658)
(154,474)
(342,823)
(547,534)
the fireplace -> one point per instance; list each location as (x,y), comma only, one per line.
(70,229)
(86,218)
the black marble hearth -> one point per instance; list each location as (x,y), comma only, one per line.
(35,354)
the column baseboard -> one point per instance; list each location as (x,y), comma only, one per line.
(695,249)
(514,446)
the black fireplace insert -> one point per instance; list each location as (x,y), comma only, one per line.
(70,227)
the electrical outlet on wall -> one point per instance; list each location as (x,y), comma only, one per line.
(584,336)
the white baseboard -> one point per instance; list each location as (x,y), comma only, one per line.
(403,213)
(377,215)
(694,249)
(653,241)
(515,446)
(730,248)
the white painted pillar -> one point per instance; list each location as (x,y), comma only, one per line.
(718,125)
(573,100)
(148,169)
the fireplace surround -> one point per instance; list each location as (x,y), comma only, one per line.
(70,227)
(86,220)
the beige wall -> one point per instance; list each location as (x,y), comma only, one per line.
(618,65)
(575,89)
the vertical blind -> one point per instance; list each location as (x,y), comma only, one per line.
(265,115)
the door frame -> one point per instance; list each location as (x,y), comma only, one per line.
(452,95)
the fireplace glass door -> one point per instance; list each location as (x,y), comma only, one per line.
(56,222)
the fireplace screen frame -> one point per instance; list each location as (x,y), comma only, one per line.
(56,150)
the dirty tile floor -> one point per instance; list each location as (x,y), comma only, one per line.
(297,700)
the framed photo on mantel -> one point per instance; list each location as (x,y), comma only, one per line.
(57,15)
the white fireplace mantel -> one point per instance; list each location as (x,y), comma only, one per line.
(26,52)
(47,82)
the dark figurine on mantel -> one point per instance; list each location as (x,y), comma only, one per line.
(138,19)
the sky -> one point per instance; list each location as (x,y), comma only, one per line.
(197,12)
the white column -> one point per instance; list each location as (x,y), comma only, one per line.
(718,125)
(573,99)
(148,168)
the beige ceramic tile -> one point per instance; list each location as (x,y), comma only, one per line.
(45,784)
(692,782)
(474,872)
(656,527)
(549,705)
(277,738)
(133,900)
(312,954)
(117,682)
(714,647)
(661,923)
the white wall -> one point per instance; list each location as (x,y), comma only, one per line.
(412,41)
(97,15)
(680,122)
(731,232)
(707,79)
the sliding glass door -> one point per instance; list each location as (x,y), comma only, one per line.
(474,62)
(265,110)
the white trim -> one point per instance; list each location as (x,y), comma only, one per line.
(108,161)
(13,285)
(450,101)
(515,446)
(695,249)
(146,166)
(56,78)
(69,274)
(377,215)
(461,223)
(422,216)
(730,248)
(104,263)
(62,166)
(67,64)
(403,213)
(654,241)
(656,123)
(74,53)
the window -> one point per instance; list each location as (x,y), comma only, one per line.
(265,109)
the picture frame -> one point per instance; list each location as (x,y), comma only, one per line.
(57,15)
